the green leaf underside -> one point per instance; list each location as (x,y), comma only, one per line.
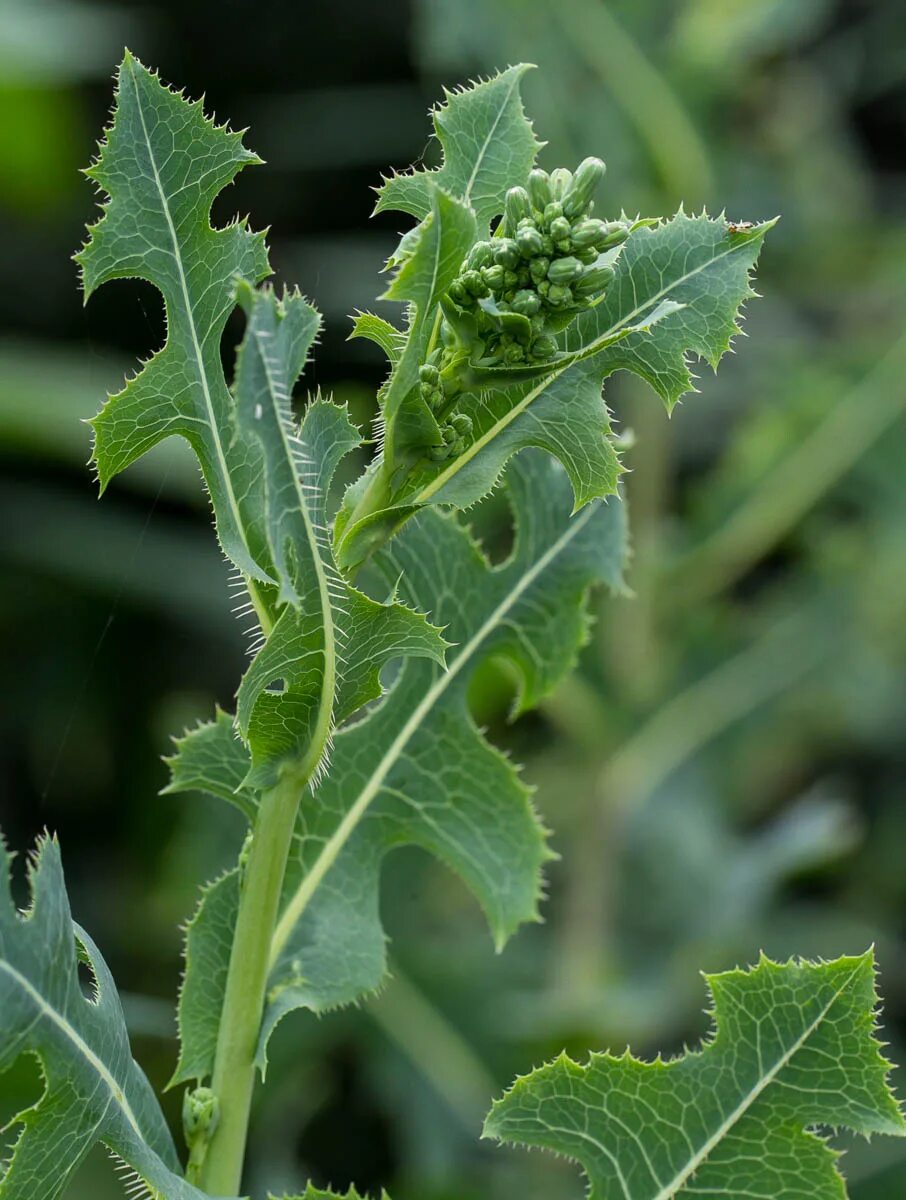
(431,263)
(793,1048)
(322,659)
(162,166)
(94,1091)
(416,770)
(677,291)
(488,145)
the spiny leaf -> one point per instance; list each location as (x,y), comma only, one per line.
(162,165)
(313,1193)
(488,145)
(321,660)
(678,288)
(793,1048)
(211,758)
(416,770)
(94,1091)
(375,329)
(426,267)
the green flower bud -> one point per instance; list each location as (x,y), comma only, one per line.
(538,268)
(518,206)
(493,276)
(461,424)
(560,181)
(473,283)
(565,270)
(594,280)
(581,190)
(617,233)
(587,256)
(559,296)
(514,354)
(560,229)
(480,254)
(547,245)
(544,347)
(506,253)
(552,212)
(511,279)
(529,242)
(543,288)
(429,374)
(589,233)
(527,303)
(200,1115)
(539,189)
(459,295)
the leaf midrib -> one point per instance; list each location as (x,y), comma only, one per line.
(190,316)
(324,722)
(467,195)
(331,850)
(117,1095)
(670,1189)
(600,343)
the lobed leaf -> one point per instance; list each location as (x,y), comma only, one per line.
(416,770)
(793,1048)
(162,165)
(678,289)
(488,145)
(321,660)
(93,1089)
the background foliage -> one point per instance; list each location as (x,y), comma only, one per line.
(734,738)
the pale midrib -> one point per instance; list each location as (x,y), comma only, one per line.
(329,679)
(670,1189)
(410,344)
(589,351)
(190,317)
(348,825)
(116,1092)
(467,195)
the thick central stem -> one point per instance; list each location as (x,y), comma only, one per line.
(240,1021)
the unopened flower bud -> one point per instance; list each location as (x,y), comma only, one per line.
(581,190)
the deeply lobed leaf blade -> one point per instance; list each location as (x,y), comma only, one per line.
(793,1048)
(94,1091)
(416,770)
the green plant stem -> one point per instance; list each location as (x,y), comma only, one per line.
(234,1064)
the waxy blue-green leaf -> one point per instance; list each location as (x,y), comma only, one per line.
(416,770)
(322,659)
(162,165)
(94,1092)
(793,1049)
(488,146)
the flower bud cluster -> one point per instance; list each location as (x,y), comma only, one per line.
(517,290)
(541,266)
(456,429)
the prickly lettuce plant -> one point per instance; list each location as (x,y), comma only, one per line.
(352,733)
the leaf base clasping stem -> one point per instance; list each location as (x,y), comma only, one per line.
(233,1078)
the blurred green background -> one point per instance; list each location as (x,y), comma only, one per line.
(727,770)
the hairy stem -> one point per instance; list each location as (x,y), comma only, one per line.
(240,1021)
